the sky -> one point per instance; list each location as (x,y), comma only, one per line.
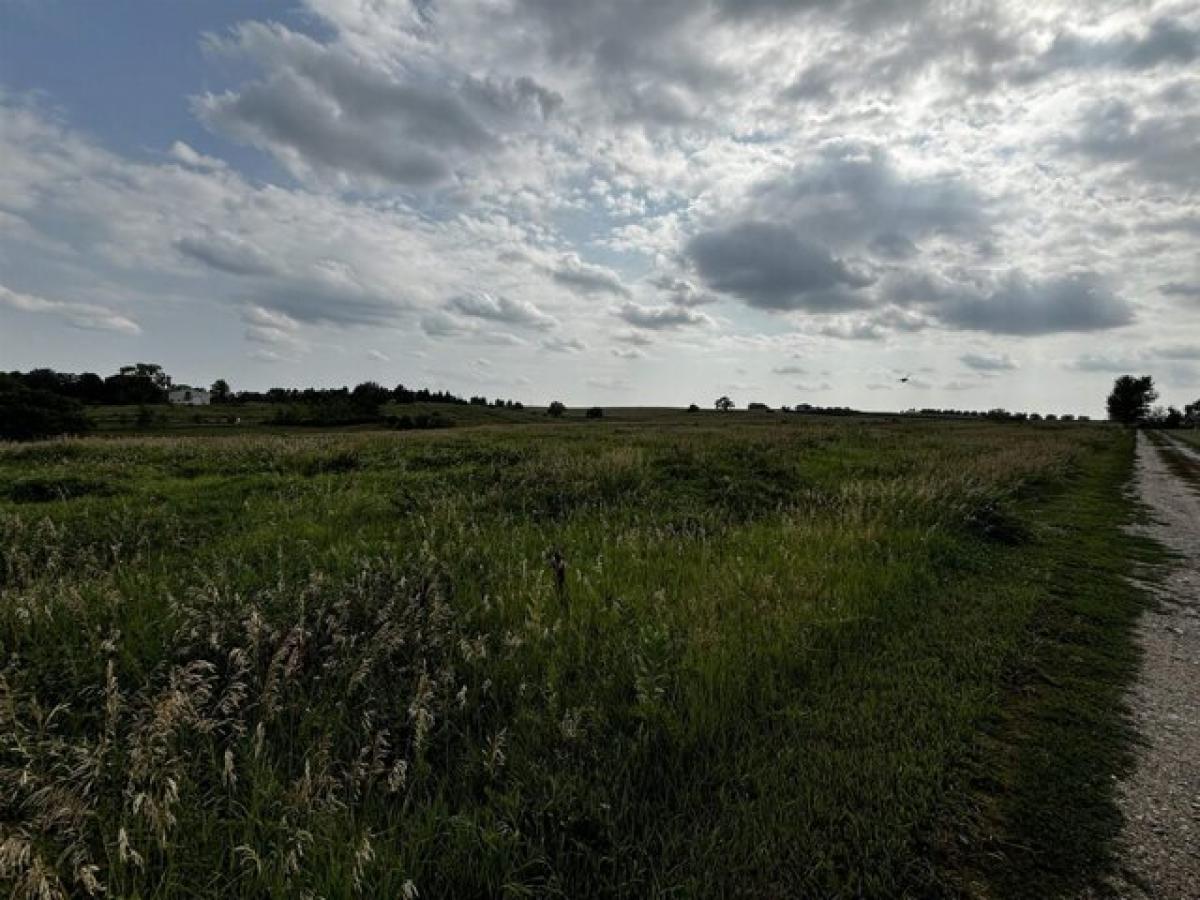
(614,202)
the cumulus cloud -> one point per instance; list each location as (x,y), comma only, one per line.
(326,108)
(587,278)
(853,192)
(482,305)
(660,318)
(1020,305)
(771,267)
(88,316)
(1157,147)
(681,292)
(1164,41)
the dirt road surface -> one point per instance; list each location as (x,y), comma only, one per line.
(1161,801)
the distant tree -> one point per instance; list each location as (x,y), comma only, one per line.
(29,415)
(723,403)
(1130,399)
(153,371)
(758,406)
(140,383)
(220,392)
(555,409)
(369,396)
(595,412)
(693,408)
(1191,413)
(1173,418)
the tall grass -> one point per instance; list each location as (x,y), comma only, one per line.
(691,659)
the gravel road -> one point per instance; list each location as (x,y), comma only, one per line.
(1161,801)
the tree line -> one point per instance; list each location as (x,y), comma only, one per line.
(44,402)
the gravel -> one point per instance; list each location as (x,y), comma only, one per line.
(1160,843)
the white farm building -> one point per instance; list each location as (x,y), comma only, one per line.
(187,396)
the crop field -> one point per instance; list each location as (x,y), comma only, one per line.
(715,655)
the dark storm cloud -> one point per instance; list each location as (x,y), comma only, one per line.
(1022,306)
(769,266)
(1161,148)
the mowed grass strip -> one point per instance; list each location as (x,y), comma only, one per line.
(721,657)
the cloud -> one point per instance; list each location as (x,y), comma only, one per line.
(789,370)
(225,252)
(564,345)
(277,332)
(858,329)
(1019,305)
(88,316)
(770,267)
(681,292)
(1157,147)
(1094,362)
(378,356)
(440,325)
(586,278)
(988,362)
(482,305)
(182,153)
(660,318)
(1176,351)
(852,192)
(1165,41)
(1180,289)
(609,384)
(327,108)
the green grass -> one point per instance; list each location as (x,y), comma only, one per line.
(788,657)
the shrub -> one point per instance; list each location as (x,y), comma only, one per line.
(595,413)
(555,409)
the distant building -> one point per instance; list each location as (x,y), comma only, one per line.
(187,396)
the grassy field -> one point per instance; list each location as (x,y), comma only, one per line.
(653,655)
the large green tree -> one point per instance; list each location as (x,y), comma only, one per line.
(1130,399)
